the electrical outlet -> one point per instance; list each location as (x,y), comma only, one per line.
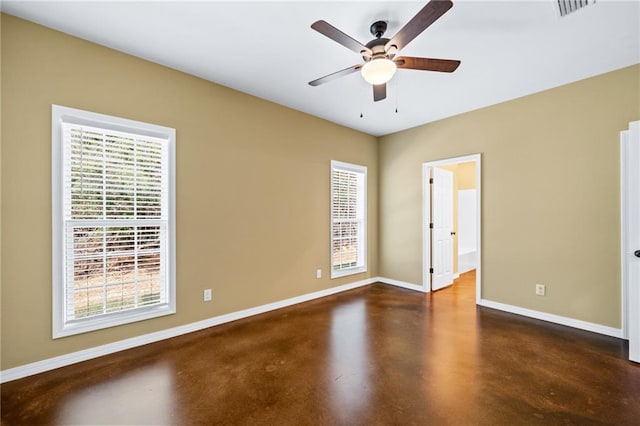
(318,273)
(206,296)
(540,289)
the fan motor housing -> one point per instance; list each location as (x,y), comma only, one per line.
(377,48)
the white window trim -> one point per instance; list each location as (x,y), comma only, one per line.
(339,165)
(59,115)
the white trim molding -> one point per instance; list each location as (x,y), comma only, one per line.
(402,284)
(557,319)
(624,229)
(98,351)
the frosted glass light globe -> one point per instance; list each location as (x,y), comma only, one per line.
(378,71)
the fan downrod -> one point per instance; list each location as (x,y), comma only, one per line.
(378,28)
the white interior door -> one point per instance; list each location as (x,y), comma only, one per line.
(631,233)
(442,231)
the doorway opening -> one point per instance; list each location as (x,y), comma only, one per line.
(451,222)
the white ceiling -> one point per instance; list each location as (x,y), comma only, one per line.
(508,49)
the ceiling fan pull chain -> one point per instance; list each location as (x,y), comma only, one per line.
(397,90)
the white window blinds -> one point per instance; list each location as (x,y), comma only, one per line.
(348,218)
(116,223)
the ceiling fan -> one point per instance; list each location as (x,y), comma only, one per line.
(380,61)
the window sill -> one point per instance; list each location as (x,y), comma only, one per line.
(111,320)
(346,272)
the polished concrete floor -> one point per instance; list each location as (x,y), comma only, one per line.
(377,355)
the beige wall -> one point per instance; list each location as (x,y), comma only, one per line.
(252,185)
(466,175)
(550,195)
(253,189)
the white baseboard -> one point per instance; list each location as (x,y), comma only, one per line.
(557,319)
(86,354)
(467,260)
(402,284)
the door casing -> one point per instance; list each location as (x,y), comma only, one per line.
(630,241)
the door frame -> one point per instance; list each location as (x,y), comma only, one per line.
(426,218)
(630,208)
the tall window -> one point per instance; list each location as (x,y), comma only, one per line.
(113,221)
(348,219)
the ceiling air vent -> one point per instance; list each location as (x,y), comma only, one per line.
(568,6)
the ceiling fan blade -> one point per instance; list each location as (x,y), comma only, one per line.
(426,64)
(427,16)
(333,76)
(379,92)
(338,36)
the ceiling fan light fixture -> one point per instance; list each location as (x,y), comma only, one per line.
(378,71)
